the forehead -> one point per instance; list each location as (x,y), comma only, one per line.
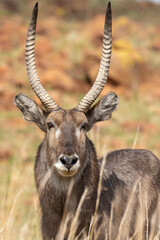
(67,116)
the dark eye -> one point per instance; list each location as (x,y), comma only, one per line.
(50,125)
(84,127)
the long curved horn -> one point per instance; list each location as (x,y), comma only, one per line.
(101,79)
(34,81)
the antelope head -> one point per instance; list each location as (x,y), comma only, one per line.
(66,130)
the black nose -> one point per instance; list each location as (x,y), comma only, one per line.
(68,162)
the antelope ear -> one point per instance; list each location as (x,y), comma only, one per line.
(31,111)
(103,109)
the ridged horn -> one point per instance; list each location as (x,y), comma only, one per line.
(34,81)
(102,76)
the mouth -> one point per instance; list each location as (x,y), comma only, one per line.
(67,173)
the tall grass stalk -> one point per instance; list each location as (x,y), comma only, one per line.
(98,199)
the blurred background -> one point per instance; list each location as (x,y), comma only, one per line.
(68,52)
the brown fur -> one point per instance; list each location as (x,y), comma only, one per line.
(122,170)
(53,193)
(129,176)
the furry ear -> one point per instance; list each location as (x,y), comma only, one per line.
(103,109)
(31,111)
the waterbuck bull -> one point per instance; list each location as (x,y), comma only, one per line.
(118,185)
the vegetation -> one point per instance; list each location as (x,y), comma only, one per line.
(68,54)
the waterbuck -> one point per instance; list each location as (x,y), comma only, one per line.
(66,163)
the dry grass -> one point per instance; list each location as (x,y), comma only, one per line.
(137,207)
(15,200)
(136,124)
